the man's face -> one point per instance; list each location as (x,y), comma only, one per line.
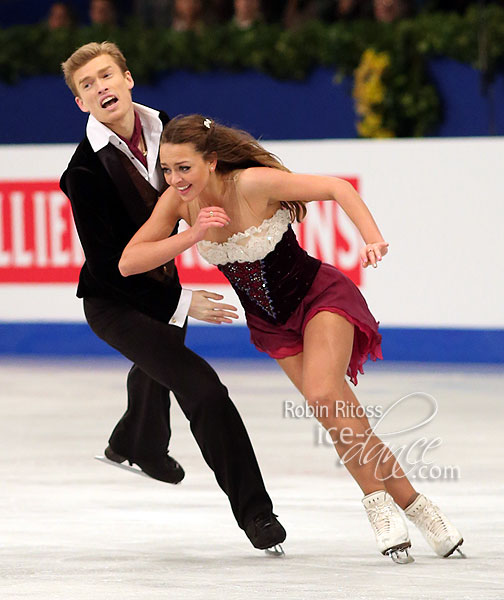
(58,16)
(188,9)
(246,9)
(103,89)
(101,12)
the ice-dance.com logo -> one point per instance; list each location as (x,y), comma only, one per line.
(412,459)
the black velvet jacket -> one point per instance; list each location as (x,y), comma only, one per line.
(108,209)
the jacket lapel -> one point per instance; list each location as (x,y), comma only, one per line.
(128,193)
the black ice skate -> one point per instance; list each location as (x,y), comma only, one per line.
(266,533)
(166,469)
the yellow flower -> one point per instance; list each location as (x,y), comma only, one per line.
(369,92)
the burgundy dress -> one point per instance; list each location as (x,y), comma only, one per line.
(281,288)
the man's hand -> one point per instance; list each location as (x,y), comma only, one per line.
(204,307)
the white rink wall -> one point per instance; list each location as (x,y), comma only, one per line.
(437,202)
(439,205)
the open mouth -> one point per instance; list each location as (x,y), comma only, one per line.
(108,101)
(184,188)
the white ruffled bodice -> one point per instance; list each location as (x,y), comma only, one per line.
(250,245)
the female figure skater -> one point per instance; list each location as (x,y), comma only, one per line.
(239,201)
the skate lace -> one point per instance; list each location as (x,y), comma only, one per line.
(265,520)
(380,518)
(431,520)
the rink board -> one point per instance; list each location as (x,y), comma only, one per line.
(437,294)
(399,344)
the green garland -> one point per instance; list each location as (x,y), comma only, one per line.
(410,105)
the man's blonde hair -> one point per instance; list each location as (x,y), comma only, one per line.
(86,53)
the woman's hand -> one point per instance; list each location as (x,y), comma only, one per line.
(210,216)
(371,254)
(205,306)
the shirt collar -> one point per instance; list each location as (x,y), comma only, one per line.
(99,135)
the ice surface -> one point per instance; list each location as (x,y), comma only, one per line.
(76,529)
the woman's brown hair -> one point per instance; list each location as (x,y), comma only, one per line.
(235,149)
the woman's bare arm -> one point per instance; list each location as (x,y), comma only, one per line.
(152,246)
(262,184)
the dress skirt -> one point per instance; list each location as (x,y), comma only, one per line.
(330,291)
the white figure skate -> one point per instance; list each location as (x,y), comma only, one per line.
(443,537)
(389,526)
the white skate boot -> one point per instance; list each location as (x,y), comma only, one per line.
(443,537)
(388,525)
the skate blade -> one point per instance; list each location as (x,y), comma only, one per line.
(132,469)
(275,551)
(400,556)
(456,549)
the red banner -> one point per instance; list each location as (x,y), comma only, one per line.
(38,241)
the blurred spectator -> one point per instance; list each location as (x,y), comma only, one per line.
(187,15)
(387,11)
(353,9)
(299,11)
(60,15)
(218,12)
(247,13)
(103,12)
(153,13)
(449,5)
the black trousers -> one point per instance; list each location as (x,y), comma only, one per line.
(162,363)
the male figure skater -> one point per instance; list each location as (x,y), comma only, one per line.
(113,181)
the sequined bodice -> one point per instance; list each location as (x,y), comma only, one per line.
(267,268)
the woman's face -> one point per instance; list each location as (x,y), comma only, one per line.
(185,169)
(389,10)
